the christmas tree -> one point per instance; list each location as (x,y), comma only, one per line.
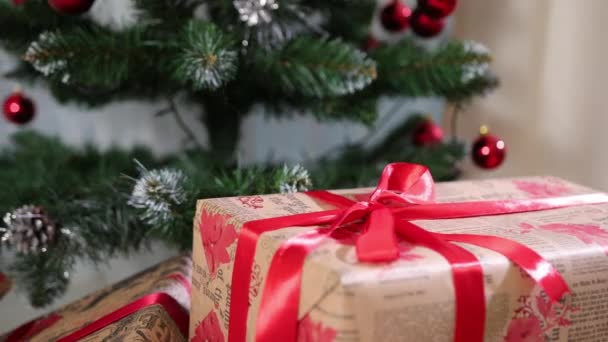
(291,56)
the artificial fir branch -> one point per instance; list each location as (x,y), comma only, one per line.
(206,59)
(318,68)
(95,57)
(408,69)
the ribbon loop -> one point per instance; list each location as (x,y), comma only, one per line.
(411,182)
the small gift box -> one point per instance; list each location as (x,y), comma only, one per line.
(150,306)
(5,284)
(494,260)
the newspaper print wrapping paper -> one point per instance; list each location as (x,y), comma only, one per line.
(412,299)
(151,323)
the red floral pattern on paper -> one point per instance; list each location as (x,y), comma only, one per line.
(530,325)
(524,228)
(208,330)
(309,331)
(254,202)
(217,236)
(549,188)
(525,329)
(586,233)
(405,252)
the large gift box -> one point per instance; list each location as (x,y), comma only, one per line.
(150,306)
(522,259)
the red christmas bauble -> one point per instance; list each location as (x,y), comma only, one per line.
(73,7)
(371,43)
(396,16)
(427,133)
(488,151)
(425,26)
(19,109)
(437,8)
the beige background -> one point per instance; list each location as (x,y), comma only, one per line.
(551,107)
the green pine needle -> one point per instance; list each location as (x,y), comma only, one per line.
(408,69)
(207,58)
(318,68)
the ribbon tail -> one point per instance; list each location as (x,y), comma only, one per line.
(467,276)
(278,314)
(545,275)
(378,243)
(243,263)
(32,328)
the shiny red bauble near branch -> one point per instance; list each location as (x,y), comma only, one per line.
(395,17)
(427,133)
(425,26)
(19,109)
(437,9)
(488,151)
(73,7)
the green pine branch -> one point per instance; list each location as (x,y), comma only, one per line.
(457,70)
(317,68)
(24,22)
(89,57)
(207,58)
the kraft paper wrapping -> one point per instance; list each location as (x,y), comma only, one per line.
(412,299)
(5,285)
(148,324)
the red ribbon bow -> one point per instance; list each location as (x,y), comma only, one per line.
(405,193)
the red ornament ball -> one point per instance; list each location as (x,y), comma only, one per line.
(396,16)
(73,7)
(488,150)
(425,26)
(437,9)
(427,133)
(19,109)
(371,43)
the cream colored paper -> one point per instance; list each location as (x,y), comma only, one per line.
(412,299)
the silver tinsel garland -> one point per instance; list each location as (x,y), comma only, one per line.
(254,12)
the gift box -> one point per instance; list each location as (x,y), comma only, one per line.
(152,305)
(522,259)
(5,284)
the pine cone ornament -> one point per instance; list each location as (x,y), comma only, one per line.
(28,229)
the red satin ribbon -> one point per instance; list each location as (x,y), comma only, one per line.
(32,328)
(405,192)
(177,313)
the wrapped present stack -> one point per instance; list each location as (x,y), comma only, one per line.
(494,260)
(150,306)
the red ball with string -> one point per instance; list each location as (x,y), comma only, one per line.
(437,9)
(426,26)
(395,17)
(72,7)
(19,109)
(488,151)
(427,133)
